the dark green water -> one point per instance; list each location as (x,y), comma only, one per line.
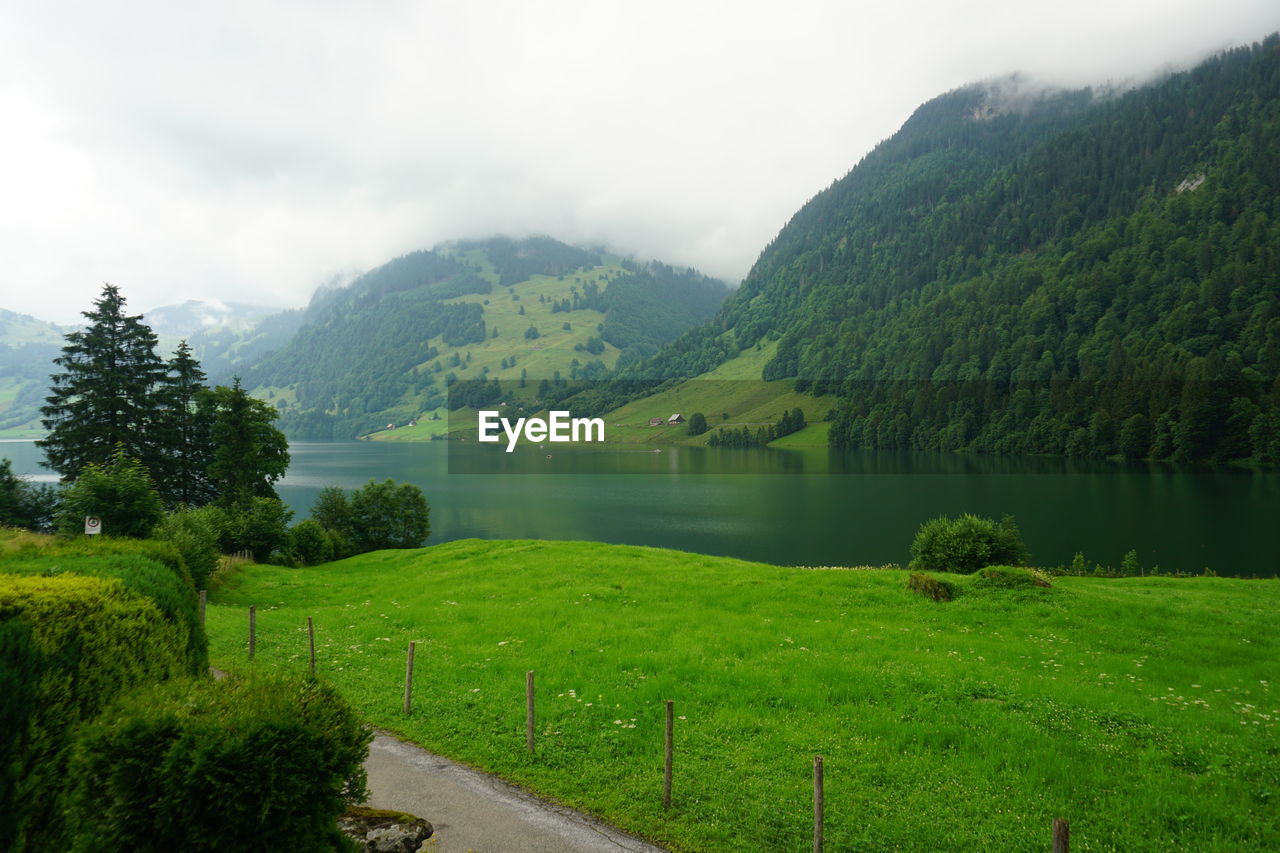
(809,507)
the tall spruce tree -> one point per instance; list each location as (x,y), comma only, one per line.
(249,454)
(105,395)
(183,433)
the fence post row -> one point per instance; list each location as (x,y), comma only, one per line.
(1061,826)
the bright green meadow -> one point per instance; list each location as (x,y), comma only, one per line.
(1141,709)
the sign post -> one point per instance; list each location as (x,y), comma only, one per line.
(92,525)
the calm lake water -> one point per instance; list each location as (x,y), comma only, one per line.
(807,507)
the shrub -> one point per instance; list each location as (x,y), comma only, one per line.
(385,515)
(196,534)
(260,525)
(332,511)
(238,765)
(1010,577)
(310,543)
(120,492)
(938,590)
(966,544)
(69,643)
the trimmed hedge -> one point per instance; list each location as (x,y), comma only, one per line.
(70,643)
(253,764)
(165,553)
(139,574)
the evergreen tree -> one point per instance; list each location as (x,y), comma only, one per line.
(183,433)
(105,395)
(249,454)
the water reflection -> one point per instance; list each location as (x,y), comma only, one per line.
(811,507)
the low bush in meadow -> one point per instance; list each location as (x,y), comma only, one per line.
(966,544)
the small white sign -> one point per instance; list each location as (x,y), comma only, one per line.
(92,525)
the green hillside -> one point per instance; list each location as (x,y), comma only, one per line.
(27,349)
(1085,273)
(385,349)
(1141,709)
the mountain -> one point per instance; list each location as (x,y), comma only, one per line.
(385,348)
(224,351)
(225,336)
(197,315)
(27,349)
(1065,272)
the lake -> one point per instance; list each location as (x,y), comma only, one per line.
(811,508)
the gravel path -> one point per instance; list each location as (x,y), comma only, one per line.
(473,811)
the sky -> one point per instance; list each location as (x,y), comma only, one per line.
(252,150)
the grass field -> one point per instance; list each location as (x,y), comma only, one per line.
(1143,710)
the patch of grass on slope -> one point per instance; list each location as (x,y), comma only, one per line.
(1144,710)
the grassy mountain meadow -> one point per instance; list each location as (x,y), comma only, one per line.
(1141,709)
(385,348)
(1087,273)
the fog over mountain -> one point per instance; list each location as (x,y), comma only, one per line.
(249,152)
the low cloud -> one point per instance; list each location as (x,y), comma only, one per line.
(252,151)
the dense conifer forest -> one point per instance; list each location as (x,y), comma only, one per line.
(1085,273)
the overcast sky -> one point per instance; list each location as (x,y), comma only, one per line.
(249,151)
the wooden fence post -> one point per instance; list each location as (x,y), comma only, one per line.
(528,710)
(408,677)
(817,804)
(1061,835)
(311,643)
(253,630)
(204,596)
(666,766)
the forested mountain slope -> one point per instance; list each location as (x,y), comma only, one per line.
(385,348)
(1072,272)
